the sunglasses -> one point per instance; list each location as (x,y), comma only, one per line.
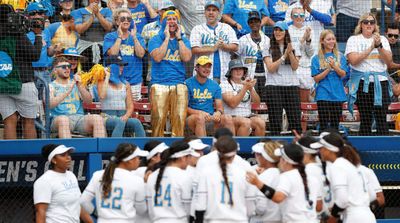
(299,15)
(33,13)
(64,66)
(393,35)
(125,18)
(368,22)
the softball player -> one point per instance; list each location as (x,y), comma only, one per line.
(266,159)
(223,195)
(293,198)
(348,183)
(119,193)
(169,188)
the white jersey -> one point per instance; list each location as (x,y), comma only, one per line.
(213,195)
(244,107)
(306,50)
(61,192)
(344,174)
(315,182)
(173,196)
(141,217)
(373,183)
(126,199)
(295,207)
(322,6)
(248,51)
(284,76)
(372,63)
(203,36)
(271,211)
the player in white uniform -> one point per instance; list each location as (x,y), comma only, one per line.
(198,146)
(169,189)
(223,195)
(56,193)
(119,193)
(267,161)
(290,194)
(214,39)
(348,183)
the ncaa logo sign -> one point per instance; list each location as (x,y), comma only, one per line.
(6,64)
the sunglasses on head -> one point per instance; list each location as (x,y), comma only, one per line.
(393,35)
(33,13)
(64,66)
(125,18)
(368,22)
(299,15)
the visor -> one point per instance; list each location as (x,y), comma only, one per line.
(138,152)
(259,148)
(281,152)
(186,152)
(59,150)
(158,149)
(197,144)
(307,150)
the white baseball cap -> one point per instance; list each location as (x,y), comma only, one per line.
(197,144)
(59,150)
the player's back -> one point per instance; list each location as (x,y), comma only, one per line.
(173,196)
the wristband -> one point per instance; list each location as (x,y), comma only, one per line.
(335,211)
(308,41)
(179,39)
(268,191)
(380,46)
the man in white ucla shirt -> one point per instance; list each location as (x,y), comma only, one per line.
(215,40)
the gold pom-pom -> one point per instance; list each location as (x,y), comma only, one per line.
(96,73)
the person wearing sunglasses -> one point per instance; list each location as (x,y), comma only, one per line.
(65,8)
(66,96)
(130,46)
(368,54)
(214,39)
(63,34)
(392,34)
(301,37)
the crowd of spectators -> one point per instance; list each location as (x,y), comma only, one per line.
(203,62)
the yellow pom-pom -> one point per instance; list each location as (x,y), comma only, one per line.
(96,73)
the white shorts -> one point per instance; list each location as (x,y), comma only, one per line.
(76,124)
(25,103)
(136,92)
(306,81)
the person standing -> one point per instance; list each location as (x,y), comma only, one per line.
(142,13)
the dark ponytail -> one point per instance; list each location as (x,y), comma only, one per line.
(224,145)
(302,171)
(123,150)
(175,147)
(350,154)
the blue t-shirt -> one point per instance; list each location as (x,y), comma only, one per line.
(331,87)
(44,60)
(277,9)
(239,9)
(133,71)
(71,105)
(202,96)
(95,33)
(141,17)
(171,70)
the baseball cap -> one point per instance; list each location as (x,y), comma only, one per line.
(165,4)
(235,63)
(291,153)
(213,3)
(305,142)
(203,60)
(136,153)
(113,59)
(254,15)
(281,25)
(70,52)
(59,150)
(197,144)
(35,6)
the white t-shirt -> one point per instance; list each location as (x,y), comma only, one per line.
(373,183)
(248,50)
(127,197)
(306,50)
(294,207)
(271,211)
(213,195)
(359,43)
(173,198)
(203,36)
(244,107)
(61,192)
(285,75)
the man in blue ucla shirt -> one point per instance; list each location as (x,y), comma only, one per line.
(203,93)
(142,13)
(168,50)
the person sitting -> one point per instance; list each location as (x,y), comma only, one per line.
(116,101)
(237,94)
(203,93)
(66,104)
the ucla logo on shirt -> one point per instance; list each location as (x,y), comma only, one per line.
(247,6)
(138,16)
(201,95)
(6,64)
(127,50)
(172,56)
(280,6)
(309,18)
(208,40)
(70,184)
(250,51)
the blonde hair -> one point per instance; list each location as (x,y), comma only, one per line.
(358,29)
(117,12)
(270,147)
(321,54)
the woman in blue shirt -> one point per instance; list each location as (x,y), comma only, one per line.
(328,68)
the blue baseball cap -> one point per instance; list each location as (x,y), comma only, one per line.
(70,52)
(281,25)
(212,3)
(35,6)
